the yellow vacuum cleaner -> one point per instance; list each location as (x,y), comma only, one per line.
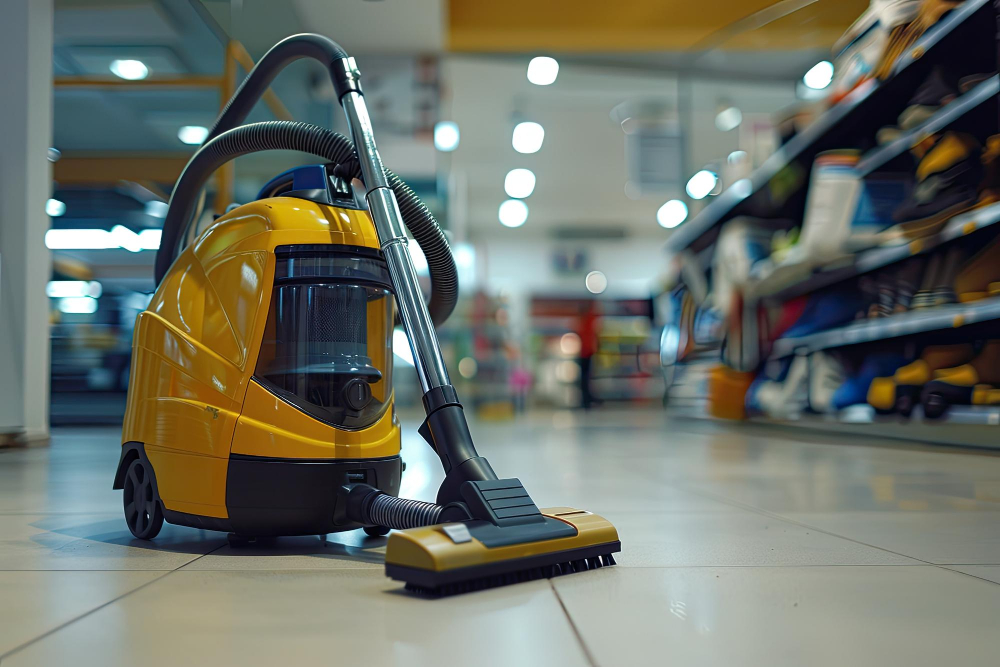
(260,401)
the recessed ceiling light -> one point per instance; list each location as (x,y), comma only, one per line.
(528,137)
(78,305)
(54,208)
(156,208)
(671,214)
(736,157)
(701,184)
(513,213)
(446,136)
(192,135)
(61,289)
(519,183)
(131,70)
(596,282)
(543,70)
(728,119)
(742,188)
(819,76)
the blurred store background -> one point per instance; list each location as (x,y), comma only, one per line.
(582,160)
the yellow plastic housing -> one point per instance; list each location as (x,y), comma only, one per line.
(430,549)
(195,349)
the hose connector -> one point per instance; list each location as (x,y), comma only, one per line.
(345,76)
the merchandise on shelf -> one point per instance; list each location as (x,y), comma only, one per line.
(979,278)
(900,392)
(974,383)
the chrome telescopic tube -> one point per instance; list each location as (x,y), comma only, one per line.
(382,205)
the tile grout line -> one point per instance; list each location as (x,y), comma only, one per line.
(967,574)
(773,515)
(59,627)
(572,625)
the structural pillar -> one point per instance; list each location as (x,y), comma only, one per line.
(25,186)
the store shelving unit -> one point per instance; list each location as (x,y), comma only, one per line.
(965,42)
(861,112)
(983,96)
(772,287)
(903,324)
(965,426)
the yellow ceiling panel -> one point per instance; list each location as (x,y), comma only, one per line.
(645,25)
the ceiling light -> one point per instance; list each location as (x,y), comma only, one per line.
(53,154)
(465,255)
(125,238)
(54,208)
(513,213)
(102,239)
(736,157)
(446,136)
(401,346)
(596,282)
(742,188)
(543,70)
(528,137)
(156,208)
(78,239)
(728,119)
(519,183)
(671,214)
(81,305)
(62,289)
(132,70)
(192,135)
(701,184)
(820,76)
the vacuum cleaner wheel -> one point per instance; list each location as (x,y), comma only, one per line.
(143,513)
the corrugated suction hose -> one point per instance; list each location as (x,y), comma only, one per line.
(402,513)
(370,507)
(329,145)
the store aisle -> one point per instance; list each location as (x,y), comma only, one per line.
(746,546)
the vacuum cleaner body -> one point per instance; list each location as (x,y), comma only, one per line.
(260,400)
(262,370)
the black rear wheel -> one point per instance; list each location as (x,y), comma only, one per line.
(143,513)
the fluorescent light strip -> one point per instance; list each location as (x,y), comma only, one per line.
(101,239)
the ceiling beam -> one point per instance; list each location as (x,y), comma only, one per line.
(110,168)
(105,82)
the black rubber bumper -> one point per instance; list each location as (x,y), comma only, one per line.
(272,496)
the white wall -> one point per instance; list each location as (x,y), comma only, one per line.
(26,181)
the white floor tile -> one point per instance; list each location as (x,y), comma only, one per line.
(338,617)
(34,603)
(95,542)
(789,616)
(739,538)
(934,537)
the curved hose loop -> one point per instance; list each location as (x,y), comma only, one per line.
(326,144)
(277,58)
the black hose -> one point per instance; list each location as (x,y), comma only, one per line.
(401,513)
(369,506)
(279,56)
(329,145)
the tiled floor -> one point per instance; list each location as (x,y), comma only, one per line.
(740,547)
